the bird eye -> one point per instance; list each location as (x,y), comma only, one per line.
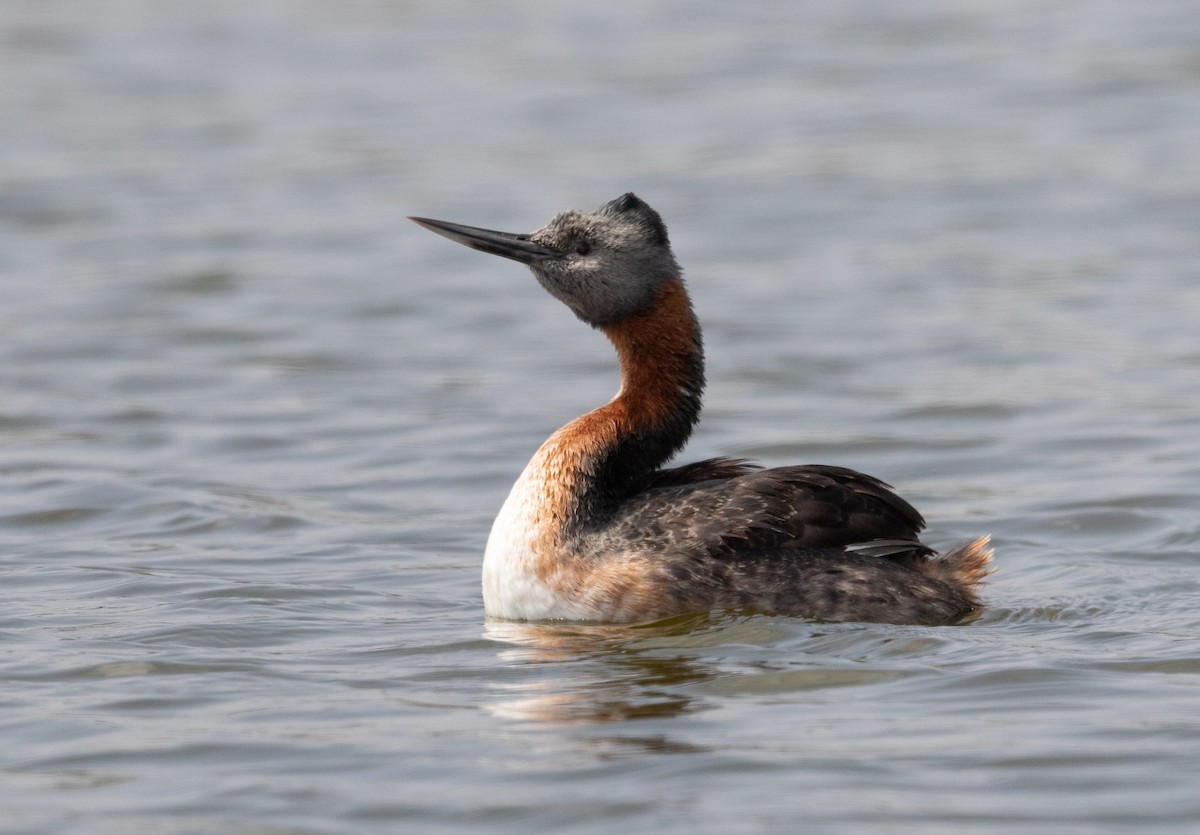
(582,247)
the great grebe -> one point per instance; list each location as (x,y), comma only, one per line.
(595,529)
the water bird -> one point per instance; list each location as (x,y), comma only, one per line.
(597,529)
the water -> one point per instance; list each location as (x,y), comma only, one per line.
(254,425)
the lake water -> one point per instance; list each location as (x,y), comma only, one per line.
(254,425)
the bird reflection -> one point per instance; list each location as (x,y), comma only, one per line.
(601,674)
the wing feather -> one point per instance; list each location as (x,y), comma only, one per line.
(728,507)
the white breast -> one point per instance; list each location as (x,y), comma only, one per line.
(516,547)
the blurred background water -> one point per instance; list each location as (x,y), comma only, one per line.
(254,425)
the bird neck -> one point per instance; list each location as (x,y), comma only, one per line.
(609,452)
(662,376)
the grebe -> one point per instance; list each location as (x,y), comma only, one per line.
(595,529)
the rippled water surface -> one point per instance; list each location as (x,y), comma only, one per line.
(254,425)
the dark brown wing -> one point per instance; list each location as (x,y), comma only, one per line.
(729,507)
(840,506)
(707,470)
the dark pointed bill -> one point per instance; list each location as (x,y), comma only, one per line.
(504,244)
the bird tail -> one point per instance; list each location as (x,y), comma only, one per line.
(967,564)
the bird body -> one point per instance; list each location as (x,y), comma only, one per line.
(596,529)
